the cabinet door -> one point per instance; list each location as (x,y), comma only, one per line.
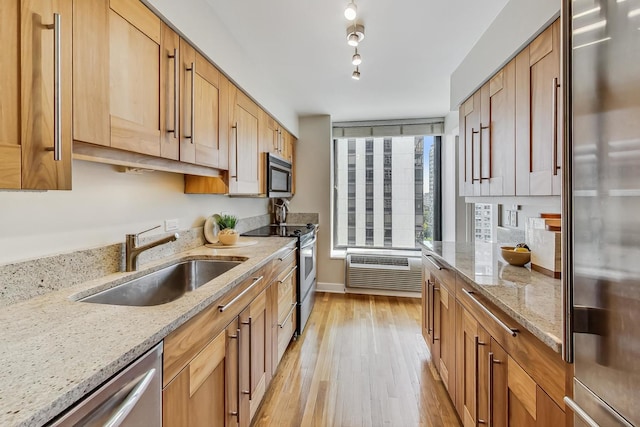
(497,134)
(253,355)
(431,310)
(170,83)
(268,133)
(470,144)
(286,285)
(118,99)
(200,106)
(10,149)
(538,113)
(527,404)
(244,152)
(446,336)
(468,348)
(45,95)
(205,393)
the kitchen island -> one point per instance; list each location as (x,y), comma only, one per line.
(55,349)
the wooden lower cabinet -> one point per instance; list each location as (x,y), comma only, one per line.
(253,355)
(205,392)
(493,378)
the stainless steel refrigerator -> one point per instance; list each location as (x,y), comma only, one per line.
(602,202)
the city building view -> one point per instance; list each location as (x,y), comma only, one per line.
(379,191)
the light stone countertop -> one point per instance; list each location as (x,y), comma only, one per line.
(530,298)
(53,349)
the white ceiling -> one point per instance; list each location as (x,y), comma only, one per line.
(410,49)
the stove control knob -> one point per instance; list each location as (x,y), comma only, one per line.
(310,226)
(297,232)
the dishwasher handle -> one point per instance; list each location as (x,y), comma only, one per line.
(121,412)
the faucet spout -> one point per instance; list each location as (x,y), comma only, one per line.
(132,250)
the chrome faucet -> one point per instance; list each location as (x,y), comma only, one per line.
(132,250)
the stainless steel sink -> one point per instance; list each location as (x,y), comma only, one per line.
(164,285)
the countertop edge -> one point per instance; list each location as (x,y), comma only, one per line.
(547,338)
(56,407)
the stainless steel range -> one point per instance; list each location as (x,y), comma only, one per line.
(307,248)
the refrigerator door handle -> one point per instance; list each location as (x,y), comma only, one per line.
(589,320)
(577,410)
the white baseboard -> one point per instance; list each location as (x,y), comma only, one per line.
(334,288)
(339,288)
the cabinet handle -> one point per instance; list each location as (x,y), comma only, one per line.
(288,254)
(57,92)
(131,400)
(224,307)
(176,83)
(192,69)
(477,344)
(236,413)
(429,298)
(481,129)
(433,313)
(284,279)
(235,128)
(434,262)
(492,361)
(249,323)
(471,294)
(473,160)
(554,110)
(286,319)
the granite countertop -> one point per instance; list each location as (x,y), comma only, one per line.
(54,349)
(530,298)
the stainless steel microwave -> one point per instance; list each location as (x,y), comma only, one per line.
(279,177)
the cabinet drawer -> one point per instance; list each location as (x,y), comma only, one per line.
(188,340)
(284,259)
(285,331)
(286,283)
(539,361)
(445,275)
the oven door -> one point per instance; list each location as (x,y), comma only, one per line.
(307,267)
(279,177)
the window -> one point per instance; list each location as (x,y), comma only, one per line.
(386,191)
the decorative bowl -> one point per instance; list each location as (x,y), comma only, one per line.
(515,258)
(228,236)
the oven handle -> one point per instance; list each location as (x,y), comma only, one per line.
(310,243)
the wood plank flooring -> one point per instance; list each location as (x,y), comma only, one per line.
(361,361)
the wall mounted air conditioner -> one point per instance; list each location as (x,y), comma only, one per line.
(384,271)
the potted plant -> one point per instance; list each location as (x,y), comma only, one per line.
(227,234)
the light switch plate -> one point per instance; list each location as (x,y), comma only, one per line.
(170,224)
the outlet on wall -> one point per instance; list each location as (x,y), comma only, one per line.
(170,224)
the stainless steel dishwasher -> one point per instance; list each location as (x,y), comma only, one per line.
(133,398)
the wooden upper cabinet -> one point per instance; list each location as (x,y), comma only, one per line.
(244,147)
(539,116)
(469,146)
(496,139)
(170,60)
(10,148)
(33,130)
(269,130)
(118,98)
(200,143)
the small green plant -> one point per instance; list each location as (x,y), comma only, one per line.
(226,221)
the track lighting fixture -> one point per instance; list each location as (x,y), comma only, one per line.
(356,59)
(355,34)
(356,74)
(351,11)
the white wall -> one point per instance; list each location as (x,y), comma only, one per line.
(514,27)
(313,189)
(103,206)
(198,22)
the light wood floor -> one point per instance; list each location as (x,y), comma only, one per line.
(361,361)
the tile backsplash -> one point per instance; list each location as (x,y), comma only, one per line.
(27,279)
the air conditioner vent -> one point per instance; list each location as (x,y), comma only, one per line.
(394,273)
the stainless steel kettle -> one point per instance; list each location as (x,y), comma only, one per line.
(280,208)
